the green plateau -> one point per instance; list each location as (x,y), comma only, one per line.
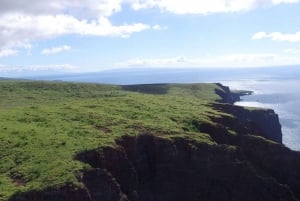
(85,141)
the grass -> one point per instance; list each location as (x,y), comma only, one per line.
(44,124)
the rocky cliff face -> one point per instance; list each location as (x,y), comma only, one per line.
(153,168)
(150,168)
(245,166)
(263,122)
(226,95)
(260,122)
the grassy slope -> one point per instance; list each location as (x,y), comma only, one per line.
(44,124)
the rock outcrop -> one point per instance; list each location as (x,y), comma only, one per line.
(260,122)
(152,168)
(226,95)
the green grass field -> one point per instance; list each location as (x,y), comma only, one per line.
(44,124)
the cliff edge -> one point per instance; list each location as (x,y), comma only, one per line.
(181,142)
(264,122)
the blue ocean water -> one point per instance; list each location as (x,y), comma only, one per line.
(281,95)
(275,88)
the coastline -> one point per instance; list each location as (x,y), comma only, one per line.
(279,96)
(201,140)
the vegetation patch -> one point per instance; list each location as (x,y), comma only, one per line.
(44,125)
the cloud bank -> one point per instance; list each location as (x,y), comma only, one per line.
(238,60)
(56,50)
(205,7)
(38,68)
(7,52)
(23,22)
(277,36)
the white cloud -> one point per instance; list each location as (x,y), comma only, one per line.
(277,36)
(230,60)
(248,58)
(55,50)
(292,51)
(204,6)
(79,8)
(158,27)
(23,22)
(7,52)
(259,35)
(19,30)
(36,68)
(284,1)
(53,67)
(156,62)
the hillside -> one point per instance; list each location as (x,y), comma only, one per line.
(70,141)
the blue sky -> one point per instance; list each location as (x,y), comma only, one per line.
(96,35)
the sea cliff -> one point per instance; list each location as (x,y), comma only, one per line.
(205,148)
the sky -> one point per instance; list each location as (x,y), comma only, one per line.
(96,35)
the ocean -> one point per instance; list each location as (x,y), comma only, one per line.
(275,88)
(280,95)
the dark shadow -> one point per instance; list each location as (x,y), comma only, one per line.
(147,88)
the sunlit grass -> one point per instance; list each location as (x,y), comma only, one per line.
(44,124)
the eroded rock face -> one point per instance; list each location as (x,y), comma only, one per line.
(263,122)
(102,185)
(150,168)
(260,122)
(226,95)
(180,169)
(99,185)
(274,159)
(268,121)
(66,193)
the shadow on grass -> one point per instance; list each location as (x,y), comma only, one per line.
(147,88)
